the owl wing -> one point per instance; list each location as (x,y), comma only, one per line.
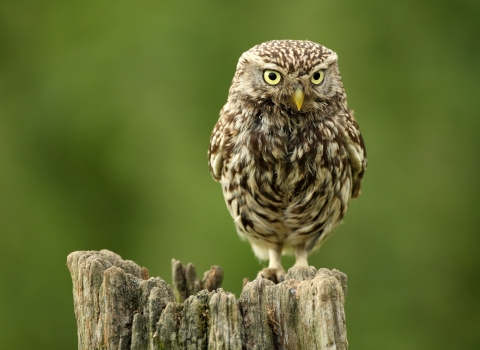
(216,153)
(357,153)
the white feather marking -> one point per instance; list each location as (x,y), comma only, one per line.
(218,163)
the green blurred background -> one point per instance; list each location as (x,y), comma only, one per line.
(106,110)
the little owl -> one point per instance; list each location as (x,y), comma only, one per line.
(287,150)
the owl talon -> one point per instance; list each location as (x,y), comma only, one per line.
(272,274)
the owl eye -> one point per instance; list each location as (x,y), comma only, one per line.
(272,77)
(317,77)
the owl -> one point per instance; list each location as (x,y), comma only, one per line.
(287,150)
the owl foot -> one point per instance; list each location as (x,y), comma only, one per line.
(273,274)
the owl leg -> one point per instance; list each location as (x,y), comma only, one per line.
(275,258)
(301,256)
(274,272)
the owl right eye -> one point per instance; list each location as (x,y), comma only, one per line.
(272,77)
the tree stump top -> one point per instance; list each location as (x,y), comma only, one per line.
(117,306)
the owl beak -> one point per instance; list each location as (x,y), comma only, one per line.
(298,97)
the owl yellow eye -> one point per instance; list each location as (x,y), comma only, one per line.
(272,77)
(317,77)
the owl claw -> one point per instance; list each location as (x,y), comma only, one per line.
(272,274)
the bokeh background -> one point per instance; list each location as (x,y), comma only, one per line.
(106,110)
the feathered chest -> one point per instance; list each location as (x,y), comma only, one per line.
(289,146)
(289,157)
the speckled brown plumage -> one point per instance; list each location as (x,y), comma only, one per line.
(288,153)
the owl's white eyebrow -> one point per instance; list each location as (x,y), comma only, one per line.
(321,66)
(271,66)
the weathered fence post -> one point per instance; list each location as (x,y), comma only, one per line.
(118,307)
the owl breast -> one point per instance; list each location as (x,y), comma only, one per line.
(286,184)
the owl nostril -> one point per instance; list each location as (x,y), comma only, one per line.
(298,87)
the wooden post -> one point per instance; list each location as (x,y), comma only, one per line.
(117,306)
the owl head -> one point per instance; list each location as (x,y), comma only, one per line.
(298,76)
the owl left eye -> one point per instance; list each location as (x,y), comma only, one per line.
(317,77)
(272,77)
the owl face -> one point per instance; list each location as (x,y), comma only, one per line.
(299,76)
